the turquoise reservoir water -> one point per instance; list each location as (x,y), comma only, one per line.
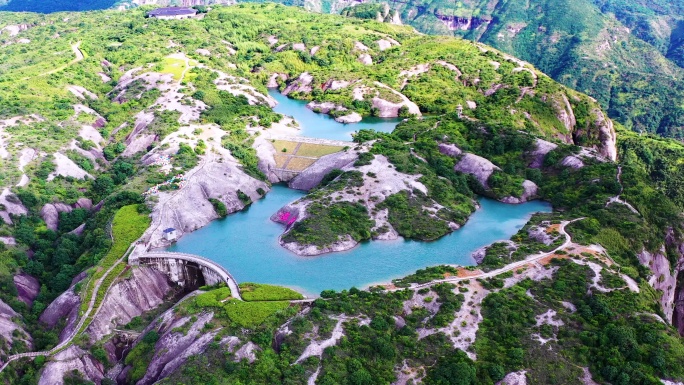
(317,125)
(246,243)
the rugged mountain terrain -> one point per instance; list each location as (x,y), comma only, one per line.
(614,50)
(115,127)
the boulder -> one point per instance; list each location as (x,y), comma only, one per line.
(313,175)
(572,161)
(301,84)
(12,204)
(530,190)
(28,288)
(83,203)
(273,80)
(389,109)
(65,307)
(354,117)
(477,166)
(50,214)
(449,149)
(542,147)
(365,59)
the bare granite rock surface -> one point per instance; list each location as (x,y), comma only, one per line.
(479,167)
(145,290)
(313,175)
(71,359)
(28,288)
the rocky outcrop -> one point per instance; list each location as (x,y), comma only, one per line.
(313,175)
(477,166)
(63,308)
(365,59)
(173,348)
(189,209)
(266,154)
(354,117)
(50,214)
(10,331)
(28,288)
(71,359)
(607,135)
(542,147)
(388,109)
(324,107)
(449,149)
(572,161)
(530,190)
(515,378)
(301,84)
(274,80)
(146,289)
(667,278)
(379,180)
(10,205)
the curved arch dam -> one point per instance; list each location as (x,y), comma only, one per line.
(187,269)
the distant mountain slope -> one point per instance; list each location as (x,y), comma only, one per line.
(625,53)
(628,62)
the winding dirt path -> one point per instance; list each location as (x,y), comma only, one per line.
(617,199)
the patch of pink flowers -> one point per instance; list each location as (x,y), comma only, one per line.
(287,218)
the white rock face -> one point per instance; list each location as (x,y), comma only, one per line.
(383,44)
(50,214)
(360,46)
(64,307)
(515,378)
(173,348)
(12,206)
(354,117)
(189,209)
(313,175)
(73,358)
(607,135)
(365,59)
(299,47)
(572,161)
(145,290)
(8,327)
(530,190)
(449,150)
(66,167)
(389,109)
(27,288)
(301,84)
(542,148)
(477,166)
(663,278)
(273,80)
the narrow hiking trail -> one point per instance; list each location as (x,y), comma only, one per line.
(617,199)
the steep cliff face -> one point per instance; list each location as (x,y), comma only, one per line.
(71,359)
(10,330)
(667,278)
(145,290)
(189,209)
(63,308)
